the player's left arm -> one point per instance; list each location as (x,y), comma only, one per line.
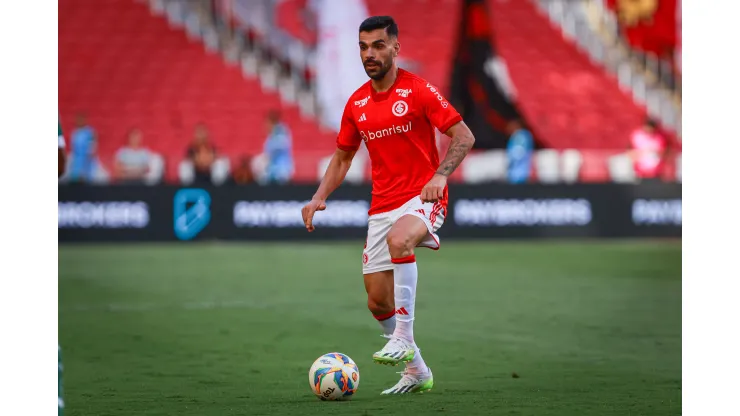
(462,142)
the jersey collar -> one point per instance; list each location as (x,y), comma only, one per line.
(381,96)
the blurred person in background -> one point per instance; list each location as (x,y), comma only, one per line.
(278,149)
(242,174)
(519,153)
(62,152)
(83,158)
(202,154)
(132,160)
(648,150)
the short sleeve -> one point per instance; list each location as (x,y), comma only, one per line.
(348,138)
(438,110)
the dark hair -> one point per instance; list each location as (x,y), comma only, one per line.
(380,22)
(651,122)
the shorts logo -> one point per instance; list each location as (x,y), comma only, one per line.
(364,258)
(421,211)
(400,108)
(192,209)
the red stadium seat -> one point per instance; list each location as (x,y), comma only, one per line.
(570,102)
(125,67)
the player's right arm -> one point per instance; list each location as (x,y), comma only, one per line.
(348,141)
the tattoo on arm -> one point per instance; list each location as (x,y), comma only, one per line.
(460,146)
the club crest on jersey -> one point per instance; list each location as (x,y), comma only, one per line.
(362,102)
(400,108)
(403,92)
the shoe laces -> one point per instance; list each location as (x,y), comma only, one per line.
(395,340)
(407,377)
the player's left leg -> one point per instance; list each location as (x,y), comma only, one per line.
(408,232)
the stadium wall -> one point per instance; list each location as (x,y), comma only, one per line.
(173,213)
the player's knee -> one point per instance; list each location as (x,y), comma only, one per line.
(379,305)
(400,245)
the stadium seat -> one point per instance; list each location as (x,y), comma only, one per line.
(547,165)
(141,71)
(570,163)
(186,172)
(569,101)
(485,166)
(621,168)
(156,170)
(259,167)
(678,168)
(220,170)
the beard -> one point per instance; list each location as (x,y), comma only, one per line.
(380,71)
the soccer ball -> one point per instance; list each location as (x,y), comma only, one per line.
(334,376)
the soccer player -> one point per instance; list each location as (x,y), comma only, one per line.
(395,114)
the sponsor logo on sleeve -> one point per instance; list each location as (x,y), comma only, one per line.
(436,93)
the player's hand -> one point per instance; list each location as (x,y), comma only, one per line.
(310,209)
(434,190)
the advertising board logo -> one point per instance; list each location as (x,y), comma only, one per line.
(522,212)
(287,214)
(647,212)
(192,209)
(103,214)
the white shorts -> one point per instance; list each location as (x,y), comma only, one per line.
(376,257)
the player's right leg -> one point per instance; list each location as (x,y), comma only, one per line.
(377,269)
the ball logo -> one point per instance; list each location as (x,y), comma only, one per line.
(329,391)
(354,377)
(400,108)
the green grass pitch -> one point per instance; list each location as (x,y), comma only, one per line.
(216,329)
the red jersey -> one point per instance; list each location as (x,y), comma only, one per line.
(397,127)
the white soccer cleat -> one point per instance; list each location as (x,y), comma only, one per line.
(412,383)
(396,351)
